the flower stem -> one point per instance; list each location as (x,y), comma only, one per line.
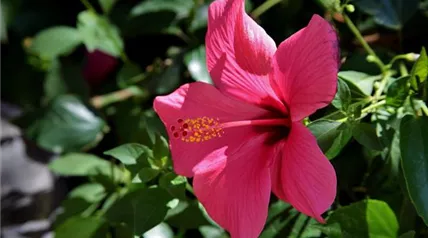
(382,86)
(264,7)
(117,96)
(403,69)
(88,5)
(366,46)
(373,106)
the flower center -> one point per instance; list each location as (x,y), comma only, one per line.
(202,129)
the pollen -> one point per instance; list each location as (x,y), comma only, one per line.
(199,129)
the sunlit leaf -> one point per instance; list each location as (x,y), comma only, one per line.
(160,231)
(82,227)
(420,70)
(66,125)
(81,164)
(56,41)
(107,5)
(91,192)
(195,61)
(130,153)
(362,81)
(342,99)
(99,33)
(180,7)
(367,218)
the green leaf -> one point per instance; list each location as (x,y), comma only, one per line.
(82,227)
(98,33)
(161,148)
(368,218)
(360,84)
(56,41)
(397,92)
(80,164)
(395,154)
(130,153)
(419,71)
(134,156)
(277,223)
(66,125)
(190,218)
(331,136)
(342,99)
(91,192)
(333,5)
(107,5)
(212,232)
(414,154)
(160,231)
(147,174)
(331,230)
(174,184)
(71,207)
(181,7)
(141,209)
(195,61)
(200,19)
(389,13)
(366,135)
(409,234)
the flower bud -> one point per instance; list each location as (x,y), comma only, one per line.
(412,56)
(350,8)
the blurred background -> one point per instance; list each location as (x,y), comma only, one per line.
(80,77)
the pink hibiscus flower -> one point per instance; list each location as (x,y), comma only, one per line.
(244,137)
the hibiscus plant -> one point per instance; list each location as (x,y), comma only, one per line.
(231,118)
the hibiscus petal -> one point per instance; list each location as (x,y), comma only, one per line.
(305,68)
(239,53)
(235,190)
(203,101)
(302,175)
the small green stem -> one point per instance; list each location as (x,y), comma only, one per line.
(373,106)
(382,86)
(264,7)
(400,57)
(117,96)
(189,188)
(366,110)
(366,46)
(403,69)
(88,5)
